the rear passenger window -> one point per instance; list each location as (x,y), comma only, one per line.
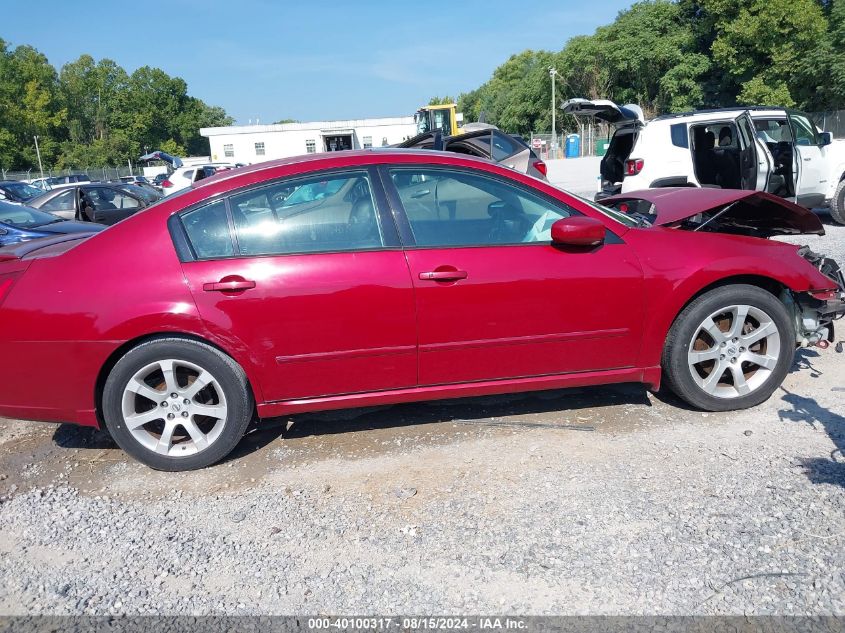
(62,202)
(208,231)
(327,213)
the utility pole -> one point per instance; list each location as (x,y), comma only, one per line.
(552,73)
(38,153)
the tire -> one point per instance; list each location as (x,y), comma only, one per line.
(837,204)
(693,353)
(176,404)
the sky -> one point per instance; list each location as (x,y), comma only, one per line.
(308,60)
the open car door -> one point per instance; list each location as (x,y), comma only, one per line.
(755,162)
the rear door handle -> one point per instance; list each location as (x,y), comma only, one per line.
(421,194)
(443,275)
(228,286)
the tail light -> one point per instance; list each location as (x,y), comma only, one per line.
(166,184)
(633,166)
(541,167)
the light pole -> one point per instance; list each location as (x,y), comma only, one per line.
(38,153)
(552,73)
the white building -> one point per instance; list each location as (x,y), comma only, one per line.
(257,143)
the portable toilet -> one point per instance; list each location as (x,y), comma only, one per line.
(573,146)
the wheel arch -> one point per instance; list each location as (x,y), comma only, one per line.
(770,284)
(696,287)
(120,351)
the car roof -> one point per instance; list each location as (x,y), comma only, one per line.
(331,159)
(735,111)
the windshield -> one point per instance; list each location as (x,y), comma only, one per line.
(21,190)
(622,218)
(24,217)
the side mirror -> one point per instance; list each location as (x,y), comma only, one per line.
(578,231)
(826,139)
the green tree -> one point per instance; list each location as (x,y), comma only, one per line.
(757,47)
(441,100)
(92,113)
(28,107)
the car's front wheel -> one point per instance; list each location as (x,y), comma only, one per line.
(729,349)
(177,404)
(837,204)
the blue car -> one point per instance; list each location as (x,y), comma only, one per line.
(20,224)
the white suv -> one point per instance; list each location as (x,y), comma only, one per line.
(767,149)
(184,177)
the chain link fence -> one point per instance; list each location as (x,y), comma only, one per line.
(593,138)
(93,173)
(832,121)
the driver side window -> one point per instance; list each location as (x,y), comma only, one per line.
(805,132)
(457,208)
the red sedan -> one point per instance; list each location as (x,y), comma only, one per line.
(378,277)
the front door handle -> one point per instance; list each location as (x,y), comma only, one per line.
(232,285)
(421,194)
(443,275)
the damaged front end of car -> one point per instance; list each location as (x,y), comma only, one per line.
(752,214)
(815,311)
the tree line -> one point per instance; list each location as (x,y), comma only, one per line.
(94,113)
(672,56)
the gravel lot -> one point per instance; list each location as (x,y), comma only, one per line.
(590,501)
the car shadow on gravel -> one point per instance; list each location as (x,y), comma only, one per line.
(819,470)
(502,410)
(804,362)
(82,437)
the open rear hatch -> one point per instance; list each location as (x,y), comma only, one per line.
(605,110)
(740,212)
(174,161)
(627,121)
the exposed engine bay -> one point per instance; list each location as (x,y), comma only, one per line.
(754,214)
(814,314)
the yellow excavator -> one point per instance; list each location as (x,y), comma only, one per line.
(443,117)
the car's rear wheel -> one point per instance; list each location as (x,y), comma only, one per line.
(837,203)
(177,404)
(729,349)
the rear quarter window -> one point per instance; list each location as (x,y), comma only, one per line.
(680,135)
(208,231)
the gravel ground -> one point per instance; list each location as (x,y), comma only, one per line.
(587,501)
(831,244)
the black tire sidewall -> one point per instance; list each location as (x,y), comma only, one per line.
(837,205)
(685,327)
(229,375)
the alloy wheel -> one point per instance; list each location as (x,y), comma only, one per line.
(174,408)
(734,351)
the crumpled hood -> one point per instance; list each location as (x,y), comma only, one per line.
(734,211)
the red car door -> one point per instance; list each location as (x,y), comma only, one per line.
(307,276)
(494,298)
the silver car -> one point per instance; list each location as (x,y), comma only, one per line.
(488,142)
